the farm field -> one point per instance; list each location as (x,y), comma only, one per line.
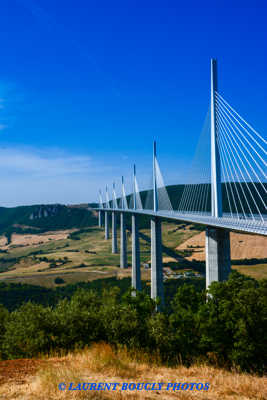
(83,255)
(76,256)
(249,248)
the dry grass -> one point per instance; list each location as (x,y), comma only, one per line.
(258,271)
(33,239)
(100,364)
(3,241)
(242,246)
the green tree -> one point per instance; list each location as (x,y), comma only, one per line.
(78,320)
(4,315)
(29,331)
(234,323)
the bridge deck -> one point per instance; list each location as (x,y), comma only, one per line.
(250,225)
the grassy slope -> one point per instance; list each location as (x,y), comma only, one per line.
(90,257)
(90,260)
(24,264)
(100,363)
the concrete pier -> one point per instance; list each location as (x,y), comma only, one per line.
(100,218)
(123,254)
(106,226)
(156,262)
(136,273)
(114,233)
(218,258)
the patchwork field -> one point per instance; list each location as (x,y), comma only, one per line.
(243,247)
(75,256)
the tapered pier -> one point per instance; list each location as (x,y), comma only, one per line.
(114,233)
(136,273)
(156,262)
(123,253)
(106,225)
(100,213)
(218,262)
(100,218)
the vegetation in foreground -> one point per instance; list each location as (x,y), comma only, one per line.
(227,330)
(13,295)
(102,363)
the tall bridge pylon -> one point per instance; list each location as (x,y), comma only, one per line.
(218,260)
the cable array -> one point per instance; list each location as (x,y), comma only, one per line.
(243,164)
(124,202)
(196,196)
(241,153)
(114,199)
(107,199)
(149,201)
(136,192)
(164,202)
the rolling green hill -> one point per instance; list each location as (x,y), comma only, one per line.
(41,218)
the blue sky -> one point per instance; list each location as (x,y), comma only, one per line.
(86,86)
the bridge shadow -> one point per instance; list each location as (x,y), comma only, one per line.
(179,258)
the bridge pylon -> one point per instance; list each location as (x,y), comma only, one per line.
(114,245)
(156,245)
(107,216)
(114,233)
(123,241)
(106,226)
(218,261)
(216,187)
(136,273)
(100,213)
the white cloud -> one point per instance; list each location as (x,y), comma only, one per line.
(36,176)
(40,163)
(41,176)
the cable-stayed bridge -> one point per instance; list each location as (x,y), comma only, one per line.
(225,190)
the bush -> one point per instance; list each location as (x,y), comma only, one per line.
(234,323)
(4,315)
(58,280)
(227,330)
(30,330)
(79,320)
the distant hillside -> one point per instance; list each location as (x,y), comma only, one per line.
(29,219)
(55,216)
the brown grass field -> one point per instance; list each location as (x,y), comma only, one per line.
(39,379)
(242,246)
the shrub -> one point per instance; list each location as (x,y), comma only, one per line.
(59,280)
(227,329)
(29,331)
